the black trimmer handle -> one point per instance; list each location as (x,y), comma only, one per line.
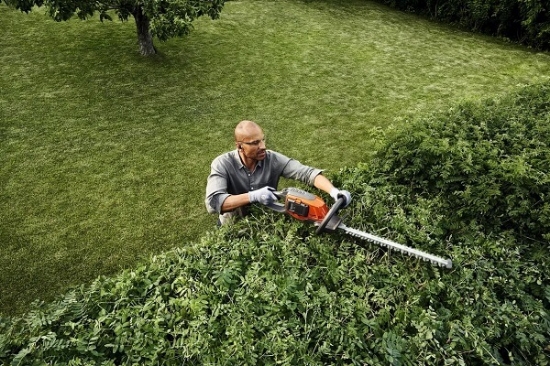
(276,206)
(331,216)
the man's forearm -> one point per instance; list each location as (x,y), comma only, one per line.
(321,182)
(235,201)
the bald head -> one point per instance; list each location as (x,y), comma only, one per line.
(246,129)
(250,141)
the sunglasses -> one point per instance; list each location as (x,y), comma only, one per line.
(252,143)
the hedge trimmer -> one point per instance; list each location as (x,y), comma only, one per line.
(306,206)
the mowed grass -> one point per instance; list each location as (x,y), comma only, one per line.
(104,154)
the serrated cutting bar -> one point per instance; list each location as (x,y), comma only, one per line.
(395,246)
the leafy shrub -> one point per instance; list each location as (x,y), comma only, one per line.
(268,291)
(522,21)
(487,162)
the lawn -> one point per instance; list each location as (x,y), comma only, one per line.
(104,153)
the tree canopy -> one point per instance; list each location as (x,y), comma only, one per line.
(163,19)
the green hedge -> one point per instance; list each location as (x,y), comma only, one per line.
(488,164)
(269,291)
(527,22)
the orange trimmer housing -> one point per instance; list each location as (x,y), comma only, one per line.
(305,206)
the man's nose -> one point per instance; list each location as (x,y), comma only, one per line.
(262,144)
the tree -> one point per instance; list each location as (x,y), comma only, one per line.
(163,19)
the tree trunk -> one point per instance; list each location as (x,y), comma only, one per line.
(145,39)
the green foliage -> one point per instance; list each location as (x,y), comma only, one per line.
(486,162)
(173,18)
(519,20)
(268,291)
(23,5)
(167,18)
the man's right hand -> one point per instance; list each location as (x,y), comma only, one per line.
(264,196)
(336,194)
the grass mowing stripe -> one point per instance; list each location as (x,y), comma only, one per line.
(104,153)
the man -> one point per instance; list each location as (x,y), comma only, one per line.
(251,173)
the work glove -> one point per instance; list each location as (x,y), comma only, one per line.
(336,193)
(264,195)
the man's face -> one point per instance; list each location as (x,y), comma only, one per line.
(252,144)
